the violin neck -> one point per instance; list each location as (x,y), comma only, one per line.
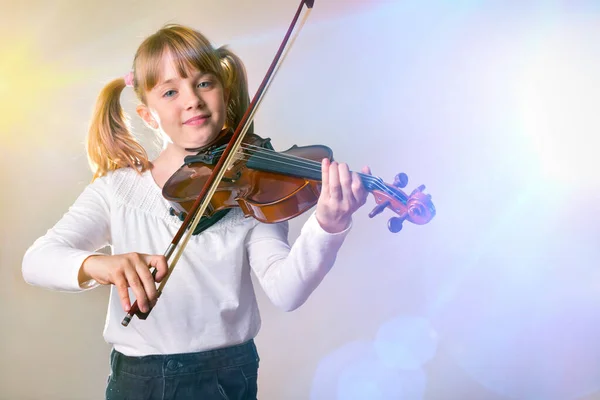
(368,181)
(308,169)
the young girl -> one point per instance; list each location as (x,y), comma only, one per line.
(198,340)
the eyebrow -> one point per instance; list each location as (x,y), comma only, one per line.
(170,80)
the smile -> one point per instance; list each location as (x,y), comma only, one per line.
(198,120)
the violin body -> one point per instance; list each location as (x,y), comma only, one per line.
(268,186)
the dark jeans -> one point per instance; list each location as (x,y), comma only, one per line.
(223,374)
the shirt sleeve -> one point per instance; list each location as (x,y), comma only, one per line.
(53,260)
(288,275)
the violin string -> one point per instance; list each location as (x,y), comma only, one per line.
(309,165)
(255,151)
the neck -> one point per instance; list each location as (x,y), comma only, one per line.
(167,163)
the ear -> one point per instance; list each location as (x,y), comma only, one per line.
(145,114)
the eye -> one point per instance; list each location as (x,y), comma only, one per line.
(169,93)
(205,84)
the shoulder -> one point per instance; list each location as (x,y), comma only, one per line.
(125,175)
(122,184)
(117,175)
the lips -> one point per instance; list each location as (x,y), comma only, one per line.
(197,120)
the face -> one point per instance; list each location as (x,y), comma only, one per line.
(189,111)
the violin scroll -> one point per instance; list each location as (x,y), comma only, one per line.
(416,208)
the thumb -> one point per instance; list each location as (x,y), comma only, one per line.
(159,263)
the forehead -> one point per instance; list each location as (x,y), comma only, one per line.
(167,59)
(171,67)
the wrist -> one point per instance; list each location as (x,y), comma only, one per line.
(334,226)
(85,274)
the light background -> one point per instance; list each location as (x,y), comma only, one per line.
(491,104)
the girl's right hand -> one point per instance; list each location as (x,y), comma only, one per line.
(127,270)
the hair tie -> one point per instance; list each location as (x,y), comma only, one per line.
(128,79)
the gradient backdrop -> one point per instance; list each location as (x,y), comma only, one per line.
(493,105)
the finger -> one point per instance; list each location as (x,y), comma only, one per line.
(325,177)
(147,281)
(346,182)
(335,190)
(121,284)
(359,191)
(138,288)
(160,263)
(366,170)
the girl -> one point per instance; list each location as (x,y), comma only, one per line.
(198,340)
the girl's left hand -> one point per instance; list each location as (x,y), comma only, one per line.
(342,193)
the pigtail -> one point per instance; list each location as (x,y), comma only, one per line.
(110,144)
(236,81)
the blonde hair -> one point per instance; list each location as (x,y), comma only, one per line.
(110,143)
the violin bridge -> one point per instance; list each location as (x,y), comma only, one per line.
(234,167)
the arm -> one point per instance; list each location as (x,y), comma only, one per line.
(289,276)
(54,260)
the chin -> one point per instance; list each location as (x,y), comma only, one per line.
(194,144)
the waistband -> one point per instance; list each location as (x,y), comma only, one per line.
(186,363)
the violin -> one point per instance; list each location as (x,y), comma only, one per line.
(243,170)
(275,186)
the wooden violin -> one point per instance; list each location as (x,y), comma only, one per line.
(275,186)
(240,170)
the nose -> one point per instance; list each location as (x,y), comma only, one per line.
(193,99)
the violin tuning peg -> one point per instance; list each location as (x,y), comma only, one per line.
(178,214)
(379,208)
(401,180)
(420,189)
(395,224)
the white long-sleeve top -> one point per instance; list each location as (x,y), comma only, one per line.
(209,300)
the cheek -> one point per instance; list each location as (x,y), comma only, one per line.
(167,117)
